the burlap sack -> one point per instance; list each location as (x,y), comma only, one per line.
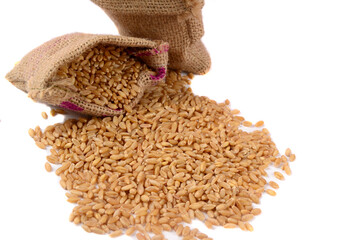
(178,22)
(35,73)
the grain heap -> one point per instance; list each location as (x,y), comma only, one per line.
(173,158)
(105,75)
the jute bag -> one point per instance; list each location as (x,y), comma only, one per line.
(34,74)
(178,22)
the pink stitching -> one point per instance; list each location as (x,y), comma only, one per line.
(160,74)
(71,106)
(150,52)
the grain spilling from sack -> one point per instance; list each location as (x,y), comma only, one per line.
(105,75)
(174,158)
(93,74)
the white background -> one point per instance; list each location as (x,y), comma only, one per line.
(294,64)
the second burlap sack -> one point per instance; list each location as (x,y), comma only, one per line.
(36,73)
(178,22)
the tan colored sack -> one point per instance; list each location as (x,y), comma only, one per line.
(178,22)
(35,73)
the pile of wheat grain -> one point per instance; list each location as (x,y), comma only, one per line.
(105,75)
(174,158)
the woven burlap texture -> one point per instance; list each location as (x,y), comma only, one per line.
(35,73)
(178,22)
